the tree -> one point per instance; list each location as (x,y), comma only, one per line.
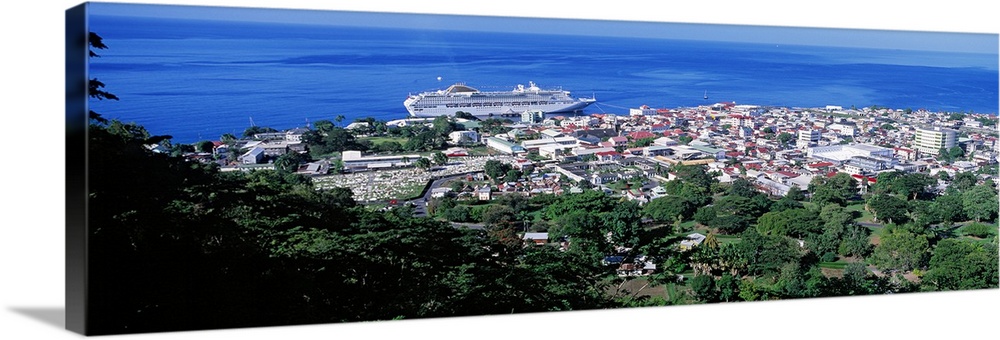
(252,131)
(422,163)
(962,265)
(963,181)
(785,137)
(912,185)
(289,162)
(440,158)
(685,139)
(204,146)
(785,203)
(795,193)
(887,208)
(705,215)
(496,170)
(704,288)
(465,115)
(901,250)
(855,242)
(742,187)
(955,152)
(797,223)
(227,138)
(442,125)
(666,209)
(980,203)
(623,222)
(323,126)
(949,207)
(837,189)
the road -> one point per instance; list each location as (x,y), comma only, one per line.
(420,204)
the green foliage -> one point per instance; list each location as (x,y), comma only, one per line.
(980,203)
(785,137)
(422,163)
(960,265)
(949,208)
(855,242)
(743,188)
(667,208)
(439,158)
(704,288)
(623,222)
(795,193)
(979,230)
(837,189)
(705,215)
(496,170)
(963,181)
(589,200)
(901,250)
(685,139)
(797,223)
(888,208)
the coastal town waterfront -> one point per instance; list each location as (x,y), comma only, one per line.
(775,147)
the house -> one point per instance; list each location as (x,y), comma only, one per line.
(637,135)
(484,193)
(440,192)
(316,168)
(693,240)
(254,156)
(618,141)
(536,238)
(608,156)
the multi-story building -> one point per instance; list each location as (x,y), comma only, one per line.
(931,141)
(642,111)
(807,138)
(532,116)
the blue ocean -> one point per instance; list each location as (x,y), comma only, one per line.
(196,80)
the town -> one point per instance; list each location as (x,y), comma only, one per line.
(775,148)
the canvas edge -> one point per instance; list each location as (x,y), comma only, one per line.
(76,170)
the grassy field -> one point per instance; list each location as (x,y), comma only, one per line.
(379,140)
(859,210)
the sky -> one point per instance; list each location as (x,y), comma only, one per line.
(864,38)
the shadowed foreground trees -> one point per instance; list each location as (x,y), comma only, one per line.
(178,245)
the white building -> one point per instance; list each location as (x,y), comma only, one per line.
(642,111)
(807,138)
(931,141)
(354,160)
(504,146)
(463,137)
(532,116)
(842,153)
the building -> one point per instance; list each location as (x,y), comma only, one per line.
(353,160)
(843,152)
(642,111)
(807,138)
(532,116)
(931,141)
(463,137)
(253,156)
(504,146)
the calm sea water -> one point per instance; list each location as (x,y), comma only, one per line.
(196,80)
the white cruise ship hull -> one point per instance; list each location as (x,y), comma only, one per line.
(493,104)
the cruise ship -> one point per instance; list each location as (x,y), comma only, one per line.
(461,97)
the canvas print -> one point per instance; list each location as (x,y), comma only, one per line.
(251,167)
